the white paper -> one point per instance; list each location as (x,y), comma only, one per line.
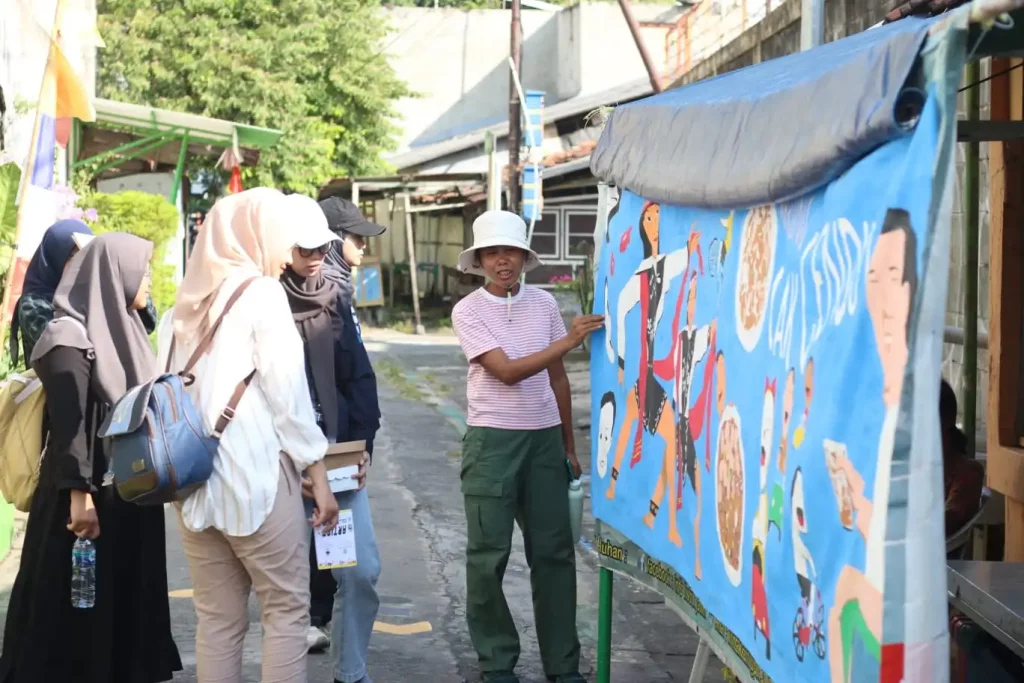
(343,479)
(337,548)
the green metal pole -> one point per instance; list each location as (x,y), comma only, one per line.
(179,170)
(121,149)
(970,366)
(604,628)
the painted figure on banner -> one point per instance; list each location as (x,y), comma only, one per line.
(801,430)
(759,598)
(809,624)
(604,432)
(855,621)
(645,403)
(693,345)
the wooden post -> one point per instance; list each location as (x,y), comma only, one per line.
(515,131)
(413,274)
(1005,468)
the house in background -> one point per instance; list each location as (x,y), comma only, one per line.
(583,58)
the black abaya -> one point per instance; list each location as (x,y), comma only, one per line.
(126,636)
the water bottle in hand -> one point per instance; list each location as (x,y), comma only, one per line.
(83,574)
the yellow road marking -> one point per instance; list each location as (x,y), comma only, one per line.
(402,629)
(183,593)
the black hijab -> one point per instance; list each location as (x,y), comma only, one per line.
(337,270)
(45,271)
(311,300)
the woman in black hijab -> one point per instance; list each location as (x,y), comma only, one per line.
(94,349)
(34,308)
(320,294)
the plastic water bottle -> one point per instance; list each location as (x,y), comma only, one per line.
(576,508)
(83,574)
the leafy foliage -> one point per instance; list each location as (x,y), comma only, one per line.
(312,68)
(149,216)
(10,175)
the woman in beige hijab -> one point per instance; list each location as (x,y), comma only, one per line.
(245,527)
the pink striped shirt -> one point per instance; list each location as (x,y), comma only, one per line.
(483,323)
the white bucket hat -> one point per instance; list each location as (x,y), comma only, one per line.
(497,229)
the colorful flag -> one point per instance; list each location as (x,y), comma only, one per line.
(61,96)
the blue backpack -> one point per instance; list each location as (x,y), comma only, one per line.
(155,442)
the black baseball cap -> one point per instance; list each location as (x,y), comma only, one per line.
(344,216)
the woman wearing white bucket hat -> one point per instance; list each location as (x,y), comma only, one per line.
(514,453)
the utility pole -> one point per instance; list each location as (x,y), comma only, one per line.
(634,30)
(515,133)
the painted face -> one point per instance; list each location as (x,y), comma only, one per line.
(650,224)
(352,248)
(808,385)
(307,262)
(787,398)
(797,502)
(888,298)
(767,427)
(604,437)
(503,265)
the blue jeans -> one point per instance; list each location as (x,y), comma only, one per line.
(356,601)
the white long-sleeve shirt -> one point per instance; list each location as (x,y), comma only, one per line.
(275,414)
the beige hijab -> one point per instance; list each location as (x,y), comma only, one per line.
(245,232)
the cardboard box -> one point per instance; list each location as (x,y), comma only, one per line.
(342,463)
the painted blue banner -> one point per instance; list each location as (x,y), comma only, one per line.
(747,396)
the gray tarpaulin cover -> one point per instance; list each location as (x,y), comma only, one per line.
(769,132)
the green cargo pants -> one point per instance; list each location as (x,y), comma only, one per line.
(519,476)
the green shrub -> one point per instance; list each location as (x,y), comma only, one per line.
(149,216)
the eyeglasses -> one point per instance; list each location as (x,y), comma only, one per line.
(308,253)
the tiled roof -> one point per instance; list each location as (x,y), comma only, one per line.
(922,8)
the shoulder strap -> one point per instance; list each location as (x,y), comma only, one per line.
(204,344)
(228,413)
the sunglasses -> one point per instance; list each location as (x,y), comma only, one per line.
(308,253)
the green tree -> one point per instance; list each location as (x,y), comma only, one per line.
(313,68)
(149,216)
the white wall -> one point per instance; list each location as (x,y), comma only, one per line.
(457,61)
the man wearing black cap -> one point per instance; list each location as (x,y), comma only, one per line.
(352,606)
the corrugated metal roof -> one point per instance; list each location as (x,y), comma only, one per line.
(584,104)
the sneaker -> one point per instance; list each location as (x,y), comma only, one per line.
(500,677)
(317,640)
(574,677)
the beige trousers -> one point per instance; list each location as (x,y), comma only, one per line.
(274,562)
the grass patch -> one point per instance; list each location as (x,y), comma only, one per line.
(398,378)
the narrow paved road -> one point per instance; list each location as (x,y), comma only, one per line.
(418,515)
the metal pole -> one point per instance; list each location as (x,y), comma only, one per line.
(514,114)
(970,367)
(604,628)
(413,273)
(634,29)
(493,173)
(179,170)
(812,23)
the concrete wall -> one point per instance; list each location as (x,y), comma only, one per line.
(457,61)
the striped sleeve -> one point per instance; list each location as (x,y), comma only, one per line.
(280,364)
(558,330)
(475,338)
